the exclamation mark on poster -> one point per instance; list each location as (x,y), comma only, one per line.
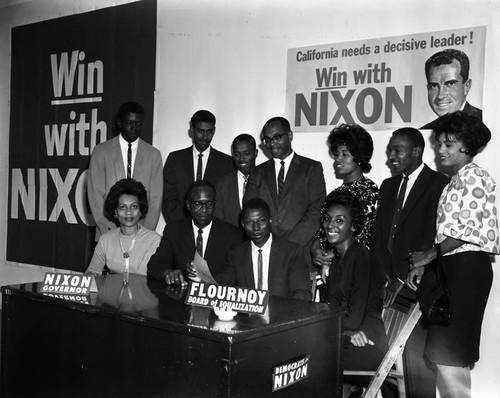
(471,34)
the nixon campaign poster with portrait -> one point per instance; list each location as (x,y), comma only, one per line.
(379,83)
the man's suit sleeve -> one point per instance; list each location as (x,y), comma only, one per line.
(299,280)
(96,189)
(155,191)
(228,276)
(163,259)
(303,232)
(171,208)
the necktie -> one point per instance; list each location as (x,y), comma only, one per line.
(245,181)
(259,270)
(281,178)
(129,161)
(397,213)
(199,170)
(199,242)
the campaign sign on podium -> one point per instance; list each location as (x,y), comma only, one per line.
(238,299)
(67,286)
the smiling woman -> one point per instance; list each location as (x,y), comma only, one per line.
(129,247)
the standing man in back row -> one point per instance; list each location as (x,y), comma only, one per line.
(125,156)
(292,185)
(231,187)
(197,162)
(406,222)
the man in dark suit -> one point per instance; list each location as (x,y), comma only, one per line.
(231,187)
(198,162)
(292,185)
(125,155)
(448,84)
(265,261)
(203,233)
(403,226)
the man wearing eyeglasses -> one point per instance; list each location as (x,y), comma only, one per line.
(202,232)
(292,185)
(125,156)
(197,162)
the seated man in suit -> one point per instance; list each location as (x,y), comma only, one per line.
(231,187)
(197,162)
(292,185)
(125,156)
(265,261)
(203,233)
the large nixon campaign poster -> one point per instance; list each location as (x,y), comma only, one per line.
(377,83)
(69,77)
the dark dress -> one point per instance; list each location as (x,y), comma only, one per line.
(367,193)
(356,285)
(468,270)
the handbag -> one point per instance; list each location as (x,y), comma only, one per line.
(432,294)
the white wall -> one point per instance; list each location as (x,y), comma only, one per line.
(229,56)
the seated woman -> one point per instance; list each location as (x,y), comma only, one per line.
(129,247)
(355,284)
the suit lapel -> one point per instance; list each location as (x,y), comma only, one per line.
(139,160)
(234,196)
(270,177)
(116,155)
(292,174)
(416,191)
(247,265)
(274,261)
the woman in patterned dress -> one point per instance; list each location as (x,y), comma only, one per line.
(466,234)
(351,147)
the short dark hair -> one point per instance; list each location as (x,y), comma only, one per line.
(125,186)
(357,140)
(413,135)
(256,204)
(130,107)
(202,116)
(244,138)
(199,184)
(446,57)
(284,123)
(347,199)
(467,129)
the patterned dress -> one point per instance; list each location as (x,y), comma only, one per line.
(467,212)
(367,192)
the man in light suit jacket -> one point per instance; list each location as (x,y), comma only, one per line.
(110,163)
(231,187)
(180,238)
(283,271)
(185,166)
(295,207)
(415,229)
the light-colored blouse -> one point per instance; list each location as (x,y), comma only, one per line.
(467,211)
(109,251)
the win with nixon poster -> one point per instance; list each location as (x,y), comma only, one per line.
(69,77)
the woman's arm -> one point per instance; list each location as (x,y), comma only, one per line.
(419,260)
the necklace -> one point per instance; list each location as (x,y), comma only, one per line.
(126,254)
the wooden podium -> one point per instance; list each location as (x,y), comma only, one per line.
(141,340)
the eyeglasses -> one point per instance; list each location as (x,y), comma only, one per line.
(274,139)
(210,204)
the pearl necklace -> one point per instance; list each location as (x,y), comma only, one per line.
(126,254)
